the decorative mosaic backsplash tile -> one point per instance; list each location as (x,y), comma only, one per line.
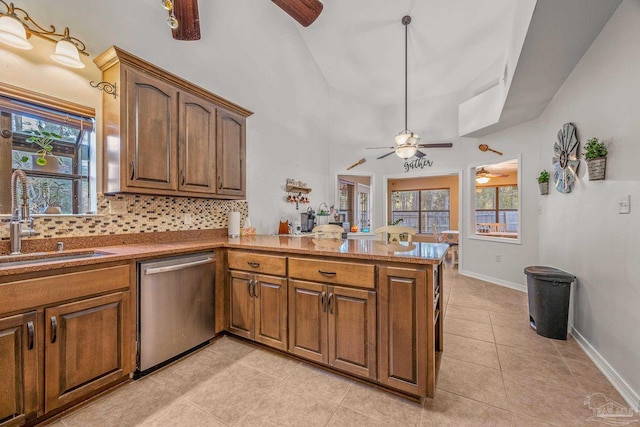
(145,214)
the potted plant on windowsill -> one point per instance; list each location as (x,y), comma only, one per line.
(543,182)
(596,156)
(44,140)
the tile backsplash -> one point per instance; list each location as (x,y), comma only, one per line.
(145,214)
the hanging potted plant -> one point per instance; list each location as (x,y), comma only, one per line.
(596,156)
(543,182)
(44,140)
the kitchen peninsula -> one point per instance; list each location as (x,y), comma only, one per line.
(364,308)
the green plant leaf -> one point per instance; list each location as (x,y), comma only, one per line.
(41,161)
(24,159)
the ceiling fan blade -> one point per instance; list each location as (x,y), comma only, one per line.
(186,12)
(419,154)
(379,148)
(303,11)
(436,145)
(385,155)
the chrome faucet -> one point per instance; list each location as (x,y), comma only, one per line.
(20,217)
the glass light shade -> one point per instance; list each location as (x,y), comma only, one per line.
(13,33)
(406,151)
(402,137)
(67,54)
(482,179)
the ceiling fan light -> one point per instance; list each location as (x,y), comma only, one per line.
(413,139)
(402,137)
(67,54)
(406,152)
(482,179)
(13,33)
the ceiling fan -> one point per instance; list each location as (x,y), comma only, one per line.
(184,19)
(407,141)
(483,175)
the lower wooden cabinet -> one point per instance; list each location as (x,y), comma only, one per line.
(403,329)
(333,325)
(18,369)
(86,347)
(258,308)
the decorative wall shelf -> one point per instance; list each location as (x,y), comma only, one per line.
(297,189)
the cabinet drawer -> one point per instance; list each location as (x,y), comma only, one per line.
(25,294)
(345,273)
(248,261)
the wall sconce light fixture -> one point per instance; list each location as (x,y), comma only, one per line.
(16,27)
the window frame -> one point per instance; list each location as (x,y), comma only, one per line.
(420,211)
(52,109)
(473,234)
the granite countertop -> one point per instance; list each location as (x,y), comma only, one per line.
(415,253)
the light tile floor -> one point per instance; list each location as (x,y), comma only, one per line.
(495,371)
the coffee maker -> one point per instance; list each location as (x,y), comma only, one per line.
(307,220)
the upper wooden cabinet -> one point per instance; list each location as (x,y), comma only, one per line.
(164,135)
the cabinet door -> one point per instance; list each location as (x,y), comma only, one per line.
(18,369)
(86,347)
(271,311)
(241,304)
(197,148)
(152,133)
(231,154)
(352,330)
(403,329)
(308,321)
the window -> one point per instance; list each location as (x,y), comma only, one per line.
(60,184)
(420,209)
(497,205)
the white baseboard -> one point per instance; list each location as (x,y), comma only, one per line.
(628,394)
(506,284)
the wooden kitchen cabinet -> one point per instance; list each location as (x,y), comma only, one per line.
(258,302)
(18,369)
(334,325)
(63,336)
(86,347)
(404,326)
(164,135)
(231,154)
(149,158)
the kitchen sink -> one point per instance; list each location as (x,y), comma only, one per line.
(43,257)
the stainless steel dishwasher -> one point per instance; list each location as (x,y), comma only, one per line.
(175,307)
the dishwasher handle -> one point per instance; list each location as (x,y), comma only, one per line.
(176,267)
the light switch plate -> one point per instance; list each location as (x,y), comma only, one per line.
(187,219)
(118,207)
(624,204)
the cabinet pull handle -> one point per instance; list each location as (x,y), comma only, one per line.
(133,170)
(322,302)
(249,288)
(330,303)
(54,329)
(30,331)
(327,273)
(219,182)
(255,287)
(182,174)
(253,264)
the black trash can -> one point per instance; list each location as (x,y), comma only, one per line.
(549,290)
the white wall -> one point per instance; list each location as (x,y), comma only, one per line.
(582,232)
(260,63)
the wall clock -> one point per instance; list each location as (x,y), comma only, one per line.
(565,159)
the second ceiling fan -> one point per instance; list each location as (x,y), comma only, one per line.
(406,141)
(184,19)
